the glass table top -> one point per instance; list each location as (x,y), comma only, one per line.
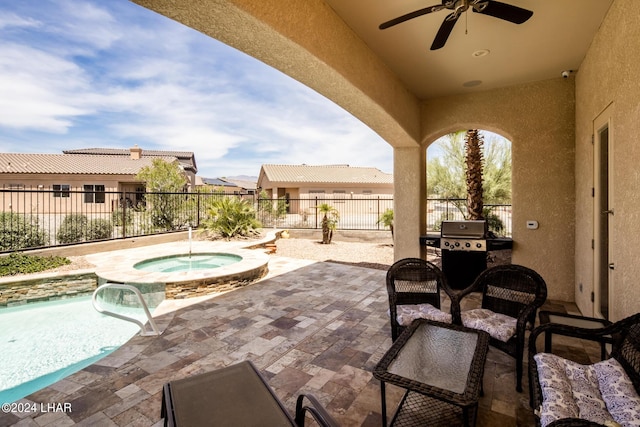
(438,357)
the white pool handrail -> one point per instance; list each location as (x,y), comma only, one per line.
(143,331)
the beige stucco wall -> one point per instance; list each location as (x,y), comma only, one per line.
(44,202)
(609,75)
(538,119)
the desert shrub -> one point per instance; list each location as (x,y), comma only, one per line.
(99,229)
(18,231)
(72,229)
(18,263)
(122,216)
(231,217)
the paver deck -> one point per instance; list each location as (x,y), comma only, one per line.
(316,327)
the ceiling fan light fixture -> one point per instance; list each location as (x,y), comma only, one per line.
(480,53)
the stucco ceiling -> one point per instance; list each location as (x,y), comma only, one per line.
(553,40)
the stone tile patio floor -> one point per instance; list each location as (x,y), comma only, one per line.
(317,327)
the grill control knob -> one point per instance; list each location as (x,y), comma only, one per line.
(478,245)
(468,245)
(457,244)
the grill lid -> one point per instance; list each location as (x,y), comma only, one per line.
(464,229)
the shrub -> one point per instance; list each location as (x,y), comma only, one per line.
(231,217)
(72,229)
(99,229)
(19,231)
(122,216)
(18,263)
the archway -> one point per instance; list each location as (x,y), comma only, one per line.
(446,188)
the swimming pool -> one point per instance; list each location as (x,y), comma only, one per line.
(41,343)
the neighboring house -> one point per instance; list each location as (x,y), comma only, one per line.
(333,183)
(186,159)
(247,184)
(227,185)
(49,180)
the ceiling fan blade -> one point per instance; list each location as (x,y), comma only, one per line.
(444,31)
(408,16)
(508,12)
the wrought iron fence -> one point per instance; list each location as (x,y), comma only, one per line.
(365,213)
(354,213)
(37,218)
(59,216)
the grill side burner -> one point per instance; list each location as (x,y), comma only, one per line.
(464,251)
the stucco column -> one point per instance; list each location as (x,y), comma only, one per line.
(409,194)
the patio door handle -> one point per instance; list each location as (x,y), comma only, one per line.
(612,266)
(609,212)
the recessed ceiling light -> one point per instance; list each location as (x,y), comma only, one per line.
(472,83)
(480,53)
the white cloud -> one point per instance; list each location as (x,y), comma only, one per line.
(114,74)
(12,20)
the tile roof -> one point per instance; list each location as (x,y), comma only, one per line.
(73,164)
(127,152)
(186,158)
(338,174)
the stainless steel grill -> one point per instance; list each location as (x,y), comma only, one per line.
(464,251)
(463,236)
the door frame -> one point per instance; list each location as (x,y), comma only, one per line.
(602,121)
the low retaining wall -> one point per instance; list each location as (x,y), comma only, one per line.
(46,288)
(198,288)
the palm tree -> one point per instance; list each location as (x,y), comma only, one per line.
(386,219)
(329,221)
(473,160)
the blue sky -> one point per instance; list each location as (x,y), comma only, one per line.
(79,74)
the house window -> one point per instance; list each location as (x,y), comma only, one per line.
(94,194)
(61,190)
(339,195)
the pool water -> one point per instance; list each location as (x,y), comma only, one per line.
(41,343)
(198,261)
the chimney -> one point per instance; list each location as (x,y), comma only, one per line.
(136,152)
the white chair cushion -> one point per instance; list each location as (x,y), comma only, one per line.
(499,326)
(602,393)
(618,392)
(586,392)
(557,398)
(409,313)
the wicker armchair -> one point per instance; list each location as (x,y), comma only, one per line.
(510,290)
(625,349)
(410,282)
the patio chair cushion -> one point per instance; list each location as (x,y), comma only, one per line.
(618,392)
(601,393)
(409,313)
(498,325)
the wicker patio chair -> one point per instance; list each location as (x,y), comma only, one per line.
(509,292)
(414,285)
(625,349)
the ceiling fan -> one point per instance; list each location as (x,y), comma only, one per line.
(494,8)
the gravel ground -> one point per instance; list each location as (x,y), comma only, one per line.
(362,254)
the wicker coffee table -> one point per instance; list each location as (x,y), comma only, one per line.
(441,366)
